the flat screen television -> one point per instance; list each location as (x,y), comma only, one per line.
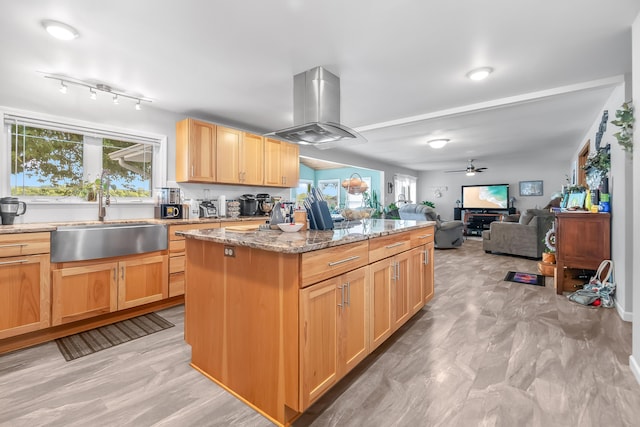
(495,196)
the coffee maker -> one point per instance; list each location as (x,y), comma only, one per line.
(11,207)
(265,205)
(169,204)
(248,205)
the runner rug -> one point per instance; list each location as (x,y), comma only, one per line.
(89,342)
(526,278)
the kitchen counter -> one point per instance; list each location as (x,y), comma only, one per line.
(305,241)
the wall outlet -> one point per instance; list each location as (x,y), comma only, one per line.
(230,251)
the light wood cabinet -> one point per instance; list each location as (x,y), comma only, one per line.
(334,329)
(252,159)
(239,157)
(281,163)
(427,273)
(24,294)
(195,151)
(380,274)
(400,294)
(88,288)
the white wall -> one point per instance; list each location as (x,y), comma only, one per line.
(550,170)
(634,360)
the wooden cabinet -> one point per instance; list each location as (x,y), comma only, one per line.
(427,272)
(334,329)
(195,151)
(239,157)
(89,288)
(583,240)
(281,163)
(24,283)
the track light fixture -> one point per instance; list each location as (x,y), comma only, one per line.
(95,88)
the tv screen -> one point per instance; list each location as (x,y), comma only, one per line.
(485,196)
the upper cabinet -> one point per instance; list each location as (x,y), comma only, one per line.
(195,151)
(281,163)
(209,153)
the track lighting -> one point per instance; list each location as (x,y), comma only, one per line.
(99,87)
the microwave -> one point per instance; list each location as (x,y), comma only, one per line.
(169,211)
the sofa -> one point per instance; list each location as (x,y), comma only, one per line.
(524,237)
(448,233)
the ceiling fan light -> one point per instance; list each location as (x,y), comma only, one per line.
(479,73)
(60,30)
(470,173)
(63,87)
(438,143)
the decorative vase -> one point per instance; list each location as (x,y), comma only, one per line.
(548,257)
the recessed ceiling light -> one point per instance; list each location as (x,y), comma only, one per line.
(438,143)
(480,73)
(60,30)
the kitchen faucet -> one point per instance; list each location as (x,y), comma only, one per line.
(102,208)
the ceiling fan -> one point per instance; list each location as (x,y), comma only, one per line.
(470,170)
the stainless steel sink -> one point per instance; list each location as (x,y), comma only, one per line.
(95,241)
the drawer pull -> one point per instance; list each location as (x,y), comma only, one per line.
(424,236)
(342,261)
(18,261)
(341,305)
(14,245)
(394,245)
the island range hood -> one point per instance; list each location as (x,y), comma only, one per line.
(316,111)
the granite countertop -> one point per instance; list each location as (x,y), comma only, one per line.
(305,241)
(52,226)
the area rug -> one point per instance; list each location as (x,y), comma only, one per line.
(89,342)
(526,278)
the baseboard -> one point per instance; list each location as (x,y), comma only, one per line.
(635,368)
(627,316)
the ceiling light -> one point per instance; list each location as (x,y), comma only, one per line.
(115,99)
(95,88)
(438,143)
(93,95)
(471,173)
(138,106)
(63,87)
(479,73)
(59,30)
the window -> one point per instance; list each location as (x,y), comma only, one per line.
(54,159)
(405,188)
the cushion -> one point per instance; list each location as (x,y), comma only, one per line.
(512,218)
(526,217)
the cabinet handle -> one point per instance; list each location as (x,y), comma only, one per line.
(341,305)
(351,258)
(193,170)
(13,245)
(18,261)
(426,257)
(393,271)
(424,236)
(122,273)
(394,245)
(397,271)
(348,285)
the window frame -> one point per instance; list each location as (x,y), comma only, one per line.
(159,158)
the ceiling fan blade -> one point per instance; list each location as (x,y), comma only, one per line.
(481,169)
(464,170)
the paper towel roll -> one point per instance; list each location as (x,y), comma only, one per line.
(222,205)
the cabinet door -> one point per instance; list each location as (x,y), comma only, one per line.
(290,164)
(252,159)
(380,277)
(228,153)
(272,162)
(416,279)
(24,294)
(400,294)
(142,280)
(318,339)
(82,292)
(428,281)
(195,151)
(353,344)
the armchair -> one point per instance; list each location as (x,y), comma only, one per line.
(524,238)
(448,233)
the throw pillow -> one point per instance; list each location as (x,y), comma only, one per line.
(526,217)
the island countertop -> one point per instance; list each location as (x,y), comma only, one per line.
(306,241)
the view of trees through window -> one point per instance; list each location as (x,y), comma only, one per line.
(47,162)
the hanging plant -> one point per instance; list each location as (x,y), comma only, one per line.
(600,161)
(624,119)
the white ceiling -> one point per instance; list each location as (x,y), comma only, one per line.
(402,62)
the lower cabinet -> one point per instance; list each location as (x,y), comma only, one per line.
(421,277)
(86,289)
(427,273)
(24,294)
(333,331)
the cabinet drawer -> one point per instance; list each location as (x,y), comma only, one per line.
(182,227)
(384,247)
(24,244)
(176,264)
(326,263)
(176,247)
(422,236)
(176,284)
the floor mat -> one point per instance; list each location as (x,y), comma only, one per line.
(526,278)
(85,343)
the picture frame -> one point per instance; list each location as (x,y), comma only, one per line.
(576,200)
(531,188)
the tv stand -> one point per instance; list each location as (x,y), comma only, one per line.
(477,221)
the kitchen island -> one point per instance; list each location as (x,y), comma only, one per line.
(278,318)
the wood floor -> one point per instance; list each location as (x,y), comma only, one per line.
(483,352)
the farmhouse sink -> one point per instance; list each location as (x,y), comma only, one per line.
(86,242)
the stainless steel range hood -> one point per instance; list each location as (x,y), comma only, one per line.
(316,110)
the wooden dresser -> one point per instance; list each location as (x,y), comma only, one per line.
(583,240)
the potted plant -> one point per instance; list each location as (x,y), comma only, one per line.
(391,211)
(428,203)
(549,253)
